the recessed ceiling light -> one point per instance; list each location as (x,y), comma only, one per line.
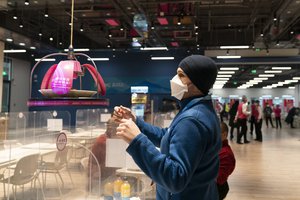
(9,39)
(296,78)
(14,51)
(235,47)
(266,75)
(224,75)
(227,57)
(229,68)
(32,47)
(281,68)
(271,72)
(22,44)
(162,58)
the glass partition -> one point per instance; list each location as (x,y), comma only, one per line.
(55,163)
(164,120)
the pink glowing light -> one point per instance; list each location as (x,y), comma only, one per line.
(112,22)
(163,21)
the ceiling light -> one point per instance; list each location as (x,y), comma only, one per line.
(26,2)
(9,39)
(108,46)
(46,14)
(98,59)
(292,32)
(162,58)
(22,44)
(32,47)
(60,43)
(234,47)
(229,68)
(81,28)
(227,57)
(273,72)
(153,48)
(15,16)
(263,79)
(196,33)
(76,50)
(292,87)
(296,78)
(281,68)
(14,51)
(121,29)
(277,43)
(21,24)
(261,34)
(40,34)
(51,38)
(224,75)
(222,79)
(45,59)
(266,75)
(226,72)
(196,27)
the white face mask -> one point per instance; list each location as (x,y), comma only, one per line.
(177,87)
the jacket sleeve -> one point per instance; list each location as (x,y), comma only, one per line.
(153,133)
(172,171)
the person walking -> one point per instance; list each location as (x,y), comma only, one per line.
(241,118)
(258,122)
(232,123)
(277,112)
(268,115)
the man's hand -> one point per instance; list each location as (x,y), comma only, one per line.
(122,112)
(128,130)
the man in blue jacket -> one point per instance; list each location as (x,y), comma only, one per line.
(186,166)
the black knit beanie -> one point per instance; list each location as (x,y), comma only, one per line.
(201,70)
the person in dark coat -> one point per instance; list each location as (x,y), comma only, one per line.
(187,164)
(232,113)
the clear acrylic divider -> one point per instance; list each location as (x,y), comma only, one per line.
(62,165)
(164,120)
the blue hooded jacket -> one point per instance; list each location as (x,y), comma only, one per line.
(187,164)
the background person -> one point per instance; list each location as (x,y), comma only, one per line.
(187,164)
(232,123)
(268,115)
(227,163)
(241,118)
(277,112)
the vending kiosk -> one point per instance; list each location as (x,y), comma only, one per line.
(139,100)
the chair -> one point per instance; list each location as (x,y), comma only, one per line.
(26,171)
(60,162)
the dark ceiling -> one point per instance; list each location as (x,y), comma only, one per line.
(205,24)
(219,22)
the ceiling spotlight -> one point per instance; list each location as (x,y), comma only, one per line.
(21,24)
(179,21)
(261,34)
(40,32)
(26,2)
(196,27)
(196,33)
(46,14)
(108,46)
(110,35)
(121,29)
(274,18)
(277,43)
(51,38)
(152,27)
(9,39)
(60,43)
(81,28)
(22,44)
(15,16)
(229,25)
(292,32)
(198,45)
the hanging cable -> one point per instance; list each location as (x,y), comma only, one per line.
(72,18)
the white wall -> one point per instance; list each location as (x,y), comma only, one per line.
(19,85)
(253,92)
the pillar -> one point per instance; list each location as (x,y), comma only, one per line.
(2,45)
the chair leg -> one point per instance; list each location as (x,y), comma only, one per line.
(4,190)
(70,176)
(58,185)
(62,182)
(41,186)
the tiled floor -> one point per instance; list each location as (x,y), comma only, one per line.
(264,171)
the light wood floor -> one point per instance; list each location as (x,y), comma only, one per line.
(269,170)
